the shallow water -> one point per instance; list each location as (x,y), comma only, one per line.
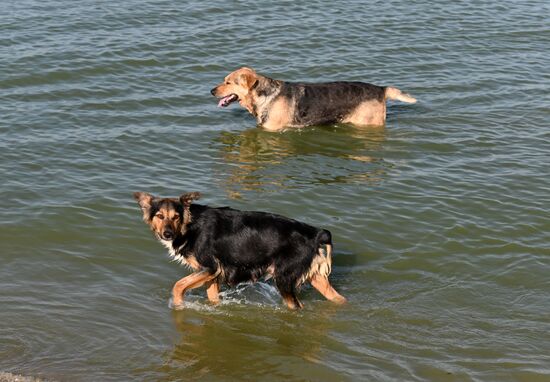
(440,219)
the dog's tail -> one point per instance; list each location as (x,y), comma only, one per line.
(321,263)
(325,238)
(396,94)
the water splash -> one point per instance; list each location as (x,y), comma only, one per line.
(259,294)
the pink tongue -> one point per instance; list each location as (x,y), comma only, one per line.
(223,101)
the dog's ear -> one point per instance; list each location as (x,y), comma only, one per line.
(248,78)
(145,201)
(187,198)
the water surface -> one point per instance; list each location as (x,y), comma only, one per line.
(440,219)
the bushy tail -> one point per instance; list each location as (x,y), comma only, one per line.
(321,263)
(396,94)
(329,257)
(326,238)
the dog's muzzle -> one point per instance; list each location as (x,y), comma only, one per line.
(225,101)
(168,235)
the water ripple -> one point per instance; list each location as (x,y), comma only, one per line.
(440,219)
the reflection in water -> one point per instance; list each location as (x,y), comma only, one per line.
(236,342)
(265,161)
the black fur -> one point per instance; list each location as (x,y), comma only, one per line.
(329,102)
(245,244)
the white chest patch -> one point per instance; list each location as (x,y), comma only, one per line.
(174,252)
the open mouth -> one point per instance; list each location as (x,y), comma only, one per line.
(227,100)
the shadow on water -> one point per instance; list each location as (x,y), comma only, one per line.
(260,160)
(263,341)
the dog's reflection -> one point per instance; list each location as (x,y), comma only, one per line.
(233,342)
(260,160)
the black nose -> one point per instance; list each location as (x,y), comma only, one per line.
(168,235)
(213,91)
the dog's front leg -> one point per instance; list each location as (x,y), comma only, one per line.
(194,280)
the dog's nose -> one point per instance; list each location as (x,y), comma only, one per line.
(167,235)
(213,91)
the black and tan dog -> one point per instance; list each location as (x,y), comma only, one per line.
(231,246)
(278,104)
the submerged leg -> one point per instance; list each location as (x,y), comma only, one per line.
(288,291)
(322,284)
(292,301)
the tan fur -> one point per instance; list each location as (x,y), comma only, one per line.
(280,113)
(144,200)
(292,302)
(239,82)
(194,280)
(396,94)
(213,290)
(192,262)
(323,286)
(188,198)
(166,217)
(320,265)
(368,113)
(318,273)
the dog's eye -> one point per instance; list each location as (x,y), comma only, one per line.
(160,216)
(175,217)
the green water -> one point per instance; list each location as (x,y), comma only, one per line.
(440,220)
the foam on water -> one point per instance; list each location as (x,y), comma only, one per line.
(260,294)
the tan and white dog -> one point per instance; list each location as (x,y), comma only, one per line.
(278,104)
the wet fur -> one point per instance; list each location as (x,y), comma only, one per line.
(278,104)
(232,246)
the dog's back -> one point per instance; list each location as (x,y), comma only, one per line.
(328,102)
(247,244)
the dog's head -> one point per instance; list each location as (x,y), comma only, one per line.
(237,86)
(166,216)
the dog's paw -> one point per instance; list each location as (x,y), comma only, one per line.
(175,304)
(340,300)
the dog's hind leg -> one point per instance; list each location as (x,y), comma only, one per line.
(288,292)
(192,281)
(322,284)
(213,290)
(291,300)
